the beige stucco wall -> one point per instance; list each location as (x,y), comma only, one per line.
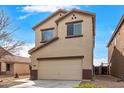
(21,68)
(116,54)
(119,43)
(3,66)
(120,40)
(80,46)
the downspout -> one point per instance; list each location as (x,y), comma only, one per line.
(56,29)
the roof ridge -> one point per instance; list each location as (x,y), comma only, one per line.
(21,56)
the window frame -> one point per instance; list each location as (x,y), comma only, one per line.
(43,30)
(74,22)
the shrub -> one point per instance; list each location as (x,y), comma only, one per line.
(88,85)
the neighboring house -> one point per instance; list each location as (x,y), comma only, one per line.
(64,46)
(11,64)
(116,50)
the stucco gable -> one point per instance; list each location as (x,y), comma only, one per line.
(93,15)
(75,11)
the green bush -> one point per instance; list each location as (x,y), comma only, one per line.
(88,85)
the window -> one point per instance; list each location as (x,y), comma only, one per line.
(47,35)
(74,29)
(8,67)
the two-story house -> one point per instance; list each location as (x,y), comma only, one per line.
(64,46)
(116,50)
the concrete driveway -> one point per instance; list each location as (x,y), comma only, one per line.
(46,84)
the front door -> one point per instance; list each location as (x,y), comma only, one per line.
(9,69)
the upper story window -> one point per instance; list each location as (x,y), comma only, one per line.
(74,29)
(47,34)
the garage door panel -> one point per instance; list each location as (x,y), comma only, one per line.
(66,69)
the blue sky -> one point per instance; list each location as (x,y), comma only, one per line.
(25,17)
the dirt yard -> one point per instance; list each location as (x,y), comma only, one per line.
(7,81)
(106,81)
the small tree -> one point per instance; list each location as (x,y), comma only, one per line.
(7,30)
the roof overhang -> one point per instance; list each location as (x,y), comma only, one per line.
(64,57)
(43,45)
(116,30)
(48,18)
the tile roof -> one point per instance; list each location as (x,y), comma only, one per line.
(15,59)
(34,49)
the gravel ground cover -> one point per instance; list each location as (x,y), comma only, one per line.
(8,81)
(106,81)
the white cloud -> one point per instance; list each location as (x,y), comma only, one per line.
(17,7)
(87,6)
(24,16)
(30,9)
(24,51)
(112,32)
(98,61)
(46,8)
